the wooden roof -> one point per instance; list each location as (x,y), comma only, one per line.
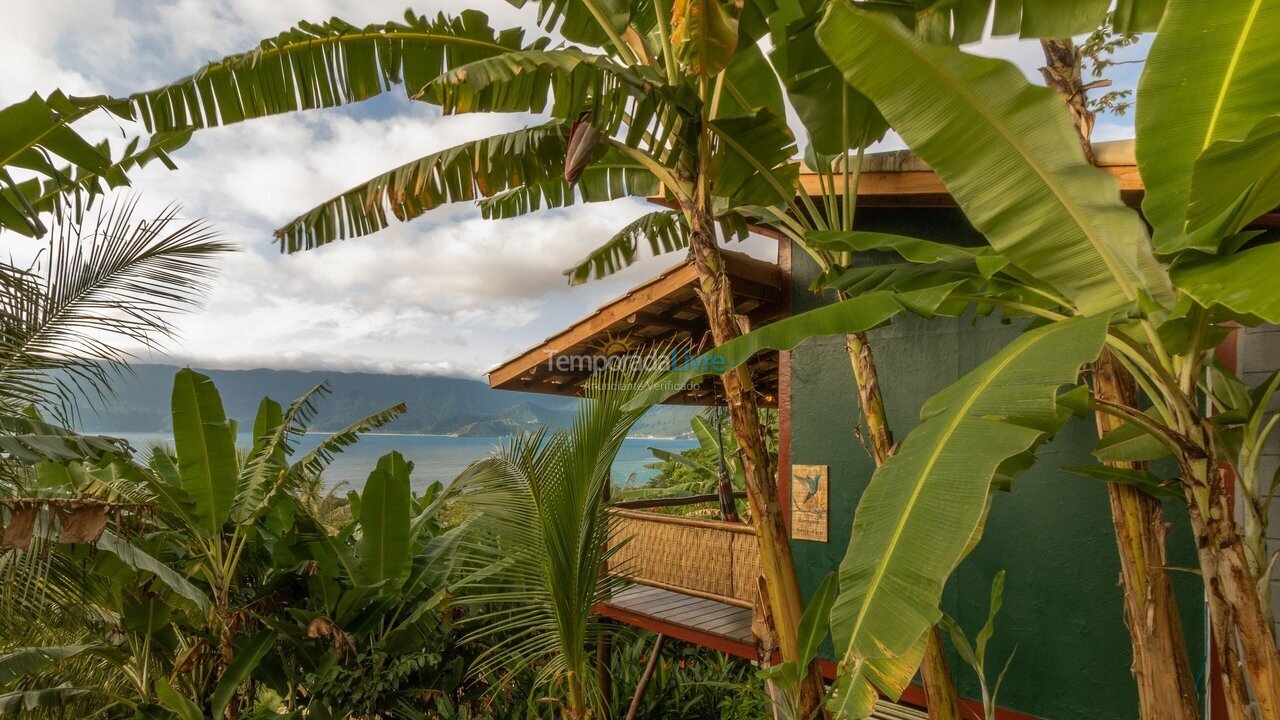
(663,310)
(900,179)
(666,309)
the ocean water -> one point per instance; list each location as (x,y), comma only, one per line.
(434,457)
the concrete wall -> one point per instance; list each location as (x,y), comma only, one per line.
(1259,356)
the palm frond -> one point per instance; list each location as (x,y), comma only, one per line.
(632,99)
(610,177)
(583,21)
(523,81)
(102,286)
(468,171)
(327,64)
(25,701)
(274,436)
(666,231)
(29,440)
(539,534)
(508,174)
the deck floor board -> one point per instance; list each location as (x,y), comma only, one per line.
(696,612)
(728,621)
(667,606)
(716,618)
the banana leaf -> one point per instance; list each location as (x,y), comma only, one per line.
(1007,153)
(1210,76)
(207,463)
(924,507)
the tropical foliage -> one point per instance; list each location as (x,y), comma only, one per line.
(687,682)
(111,281)
(1082,263)
(171,599)
(664,100)
(667,100)
(539,537)
(217,591)
(59,172)
(700,471)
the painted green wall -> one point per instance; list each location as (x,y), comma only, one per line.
(1052,533)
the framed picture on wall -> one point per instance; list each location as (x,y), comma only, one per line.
(809,502)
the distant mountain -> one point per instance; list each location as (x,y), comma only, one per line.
(436,404)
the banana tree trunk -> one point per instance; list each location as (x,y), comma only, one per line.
(867,378)
(939,686)
(1244,640)
(762,491)
(1063,73)
(1160,667)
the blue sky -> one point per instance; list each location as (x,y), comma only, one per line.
(448,293)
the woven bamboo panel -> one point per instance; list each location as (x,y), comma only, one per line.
(707,557)
(746,557)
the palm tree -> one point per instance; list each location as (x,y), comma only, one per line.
(540,540)
(103,281)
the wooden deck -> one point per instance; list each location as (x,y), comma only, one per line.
(695,614)
(708,623)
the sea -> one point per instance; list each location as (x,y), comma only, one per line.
(435,457)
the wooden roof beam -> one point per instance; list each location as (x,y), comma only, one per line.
(667,321)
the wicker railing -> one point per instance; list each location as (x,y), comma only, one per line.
(704,558)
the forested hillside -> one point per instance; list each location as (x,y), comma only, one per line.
(437,404)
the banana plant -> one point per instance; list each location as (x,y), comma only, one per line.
(648,99)
(1161,666)
(183,587)
(887,581)
(1084,266)
(379,601)
(839,121)
(1111,270)
(663,101)
(975,652)
(788,677)
(957,22)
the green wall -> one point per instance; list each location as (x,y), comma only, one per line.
(1052,533)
